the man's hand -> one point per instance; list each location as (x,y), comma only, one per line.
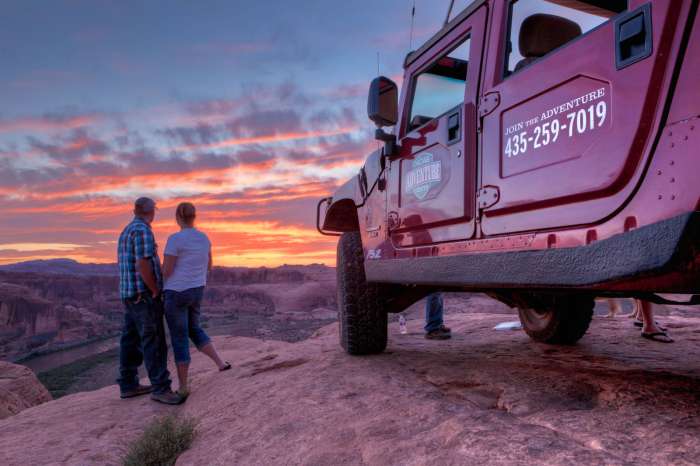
(146,271)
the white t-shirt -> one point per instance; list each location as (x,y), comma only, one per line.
(191,247)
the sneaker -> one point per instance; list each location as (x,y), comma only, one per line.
(442,333)
(168,397)
(137,391)
(184,393)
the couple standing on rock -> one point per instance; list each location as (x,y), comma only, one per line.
(150,292)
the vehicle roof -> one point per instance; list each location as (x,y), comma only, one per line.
(413,56)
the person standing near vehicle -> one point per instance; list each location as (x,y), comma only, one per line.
(187,263)
(143,333)
(434,324)
(643,314)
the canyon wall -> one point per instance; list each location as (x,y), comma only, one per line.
(43,308)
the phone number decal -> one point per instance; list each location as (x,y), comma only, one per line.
(576,117)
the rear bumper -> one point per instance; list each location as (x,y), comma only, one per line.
(661,257)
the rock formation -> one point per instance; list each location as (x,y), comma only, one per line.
(50,305)
(484,397)
(19,389)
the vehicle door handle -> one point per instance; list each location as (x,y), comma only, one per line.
(453,124)
(633,36)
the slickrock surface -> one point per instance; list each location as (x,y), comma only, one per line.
(485,397)
(19,389)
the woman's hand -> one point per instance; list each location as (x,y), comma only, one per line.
(168,265)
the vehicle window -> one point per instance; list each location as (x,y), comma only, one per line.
(440,87)
(538,27)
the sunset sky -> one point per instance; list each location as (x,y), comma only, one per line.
(251,110)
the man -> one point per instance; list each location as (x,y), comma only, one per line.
(140,285)
(434,326)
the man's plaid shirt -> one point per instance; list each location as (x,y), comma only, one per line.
(136,242)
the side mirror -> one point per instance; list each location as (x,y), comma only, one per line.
(383,102)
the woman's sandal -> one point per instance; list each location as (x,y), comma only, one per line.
(640,324)
(226,367)
(661,337)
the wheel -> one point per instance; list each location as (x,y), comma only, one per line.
(560,320)
(361,314)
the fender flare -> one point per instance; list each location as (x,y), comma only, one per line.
(341,209)
(341,216)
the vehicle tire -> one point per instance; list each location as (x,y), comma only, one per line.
(558,320)
(361,314)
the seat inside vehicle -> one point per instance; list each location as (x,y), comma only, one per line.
(419,120)
(541,33)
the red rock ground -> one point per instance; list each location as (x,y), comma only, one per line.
(485,397)
(19,389)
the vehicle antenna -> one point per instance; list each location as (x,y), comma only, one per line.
(449,12)
(413,17)
(378,72)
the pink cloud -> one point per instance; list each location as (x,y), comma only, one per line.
(48,123)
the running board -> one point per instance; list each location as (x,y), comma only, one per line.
(649,250)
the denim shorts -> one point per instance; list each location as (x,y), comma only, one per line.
(182,312)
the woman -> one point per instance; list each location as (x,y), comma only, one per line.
(185,266)
(643,315)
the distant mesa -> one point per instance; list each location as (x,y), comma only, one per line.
(73,267)
(61,266)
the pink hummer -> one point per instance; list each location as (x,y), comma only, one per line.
(544,152)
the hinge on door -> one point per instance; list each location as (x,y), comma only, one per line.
(488,196)
(487,104)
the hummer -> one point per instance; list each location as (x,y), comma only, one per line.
(544,152)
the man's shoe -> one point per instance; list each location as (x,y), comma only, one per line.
(137,391)
(442,333)
(168,398)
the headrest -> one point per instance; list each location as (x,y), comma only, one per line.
(541,33)
(419,120)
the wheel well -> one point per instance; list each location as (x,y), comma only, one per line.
(342,216)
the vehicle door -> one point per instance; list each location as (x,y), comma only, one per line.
(572,91)
(433,180)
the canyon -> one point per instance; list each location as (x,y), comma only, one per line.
(46,306)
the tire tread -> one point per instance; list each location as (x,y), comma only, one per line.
(362,318)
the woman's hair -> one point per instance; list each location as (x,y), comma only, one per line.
(186,212)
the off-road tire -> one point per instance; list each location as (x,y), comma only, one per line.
(362,316)
(558,320)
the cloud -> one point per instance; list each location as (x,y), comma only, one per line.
(77,145)
(270,139)
(48,123)
(260,123)
(254,164)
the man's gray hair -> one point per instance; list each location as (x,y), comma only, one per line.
(144,205)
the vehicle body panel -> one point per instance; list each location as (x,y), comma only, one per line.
(432,181)
(629,184)
(585,175)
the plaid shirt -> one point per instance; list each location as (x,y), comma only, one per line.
(137,242)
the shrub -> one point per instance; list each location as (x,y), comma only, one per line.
(163,440)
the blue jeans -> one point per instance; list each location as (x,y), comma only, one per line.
(433,312)
(143,340)
(182,313)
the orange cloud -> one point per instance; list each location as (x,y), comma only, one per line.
(268,139)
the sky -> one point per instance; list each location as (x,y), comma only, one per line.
(251,110)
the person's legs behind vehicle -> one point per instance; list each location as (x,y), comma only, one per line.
(435,328)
